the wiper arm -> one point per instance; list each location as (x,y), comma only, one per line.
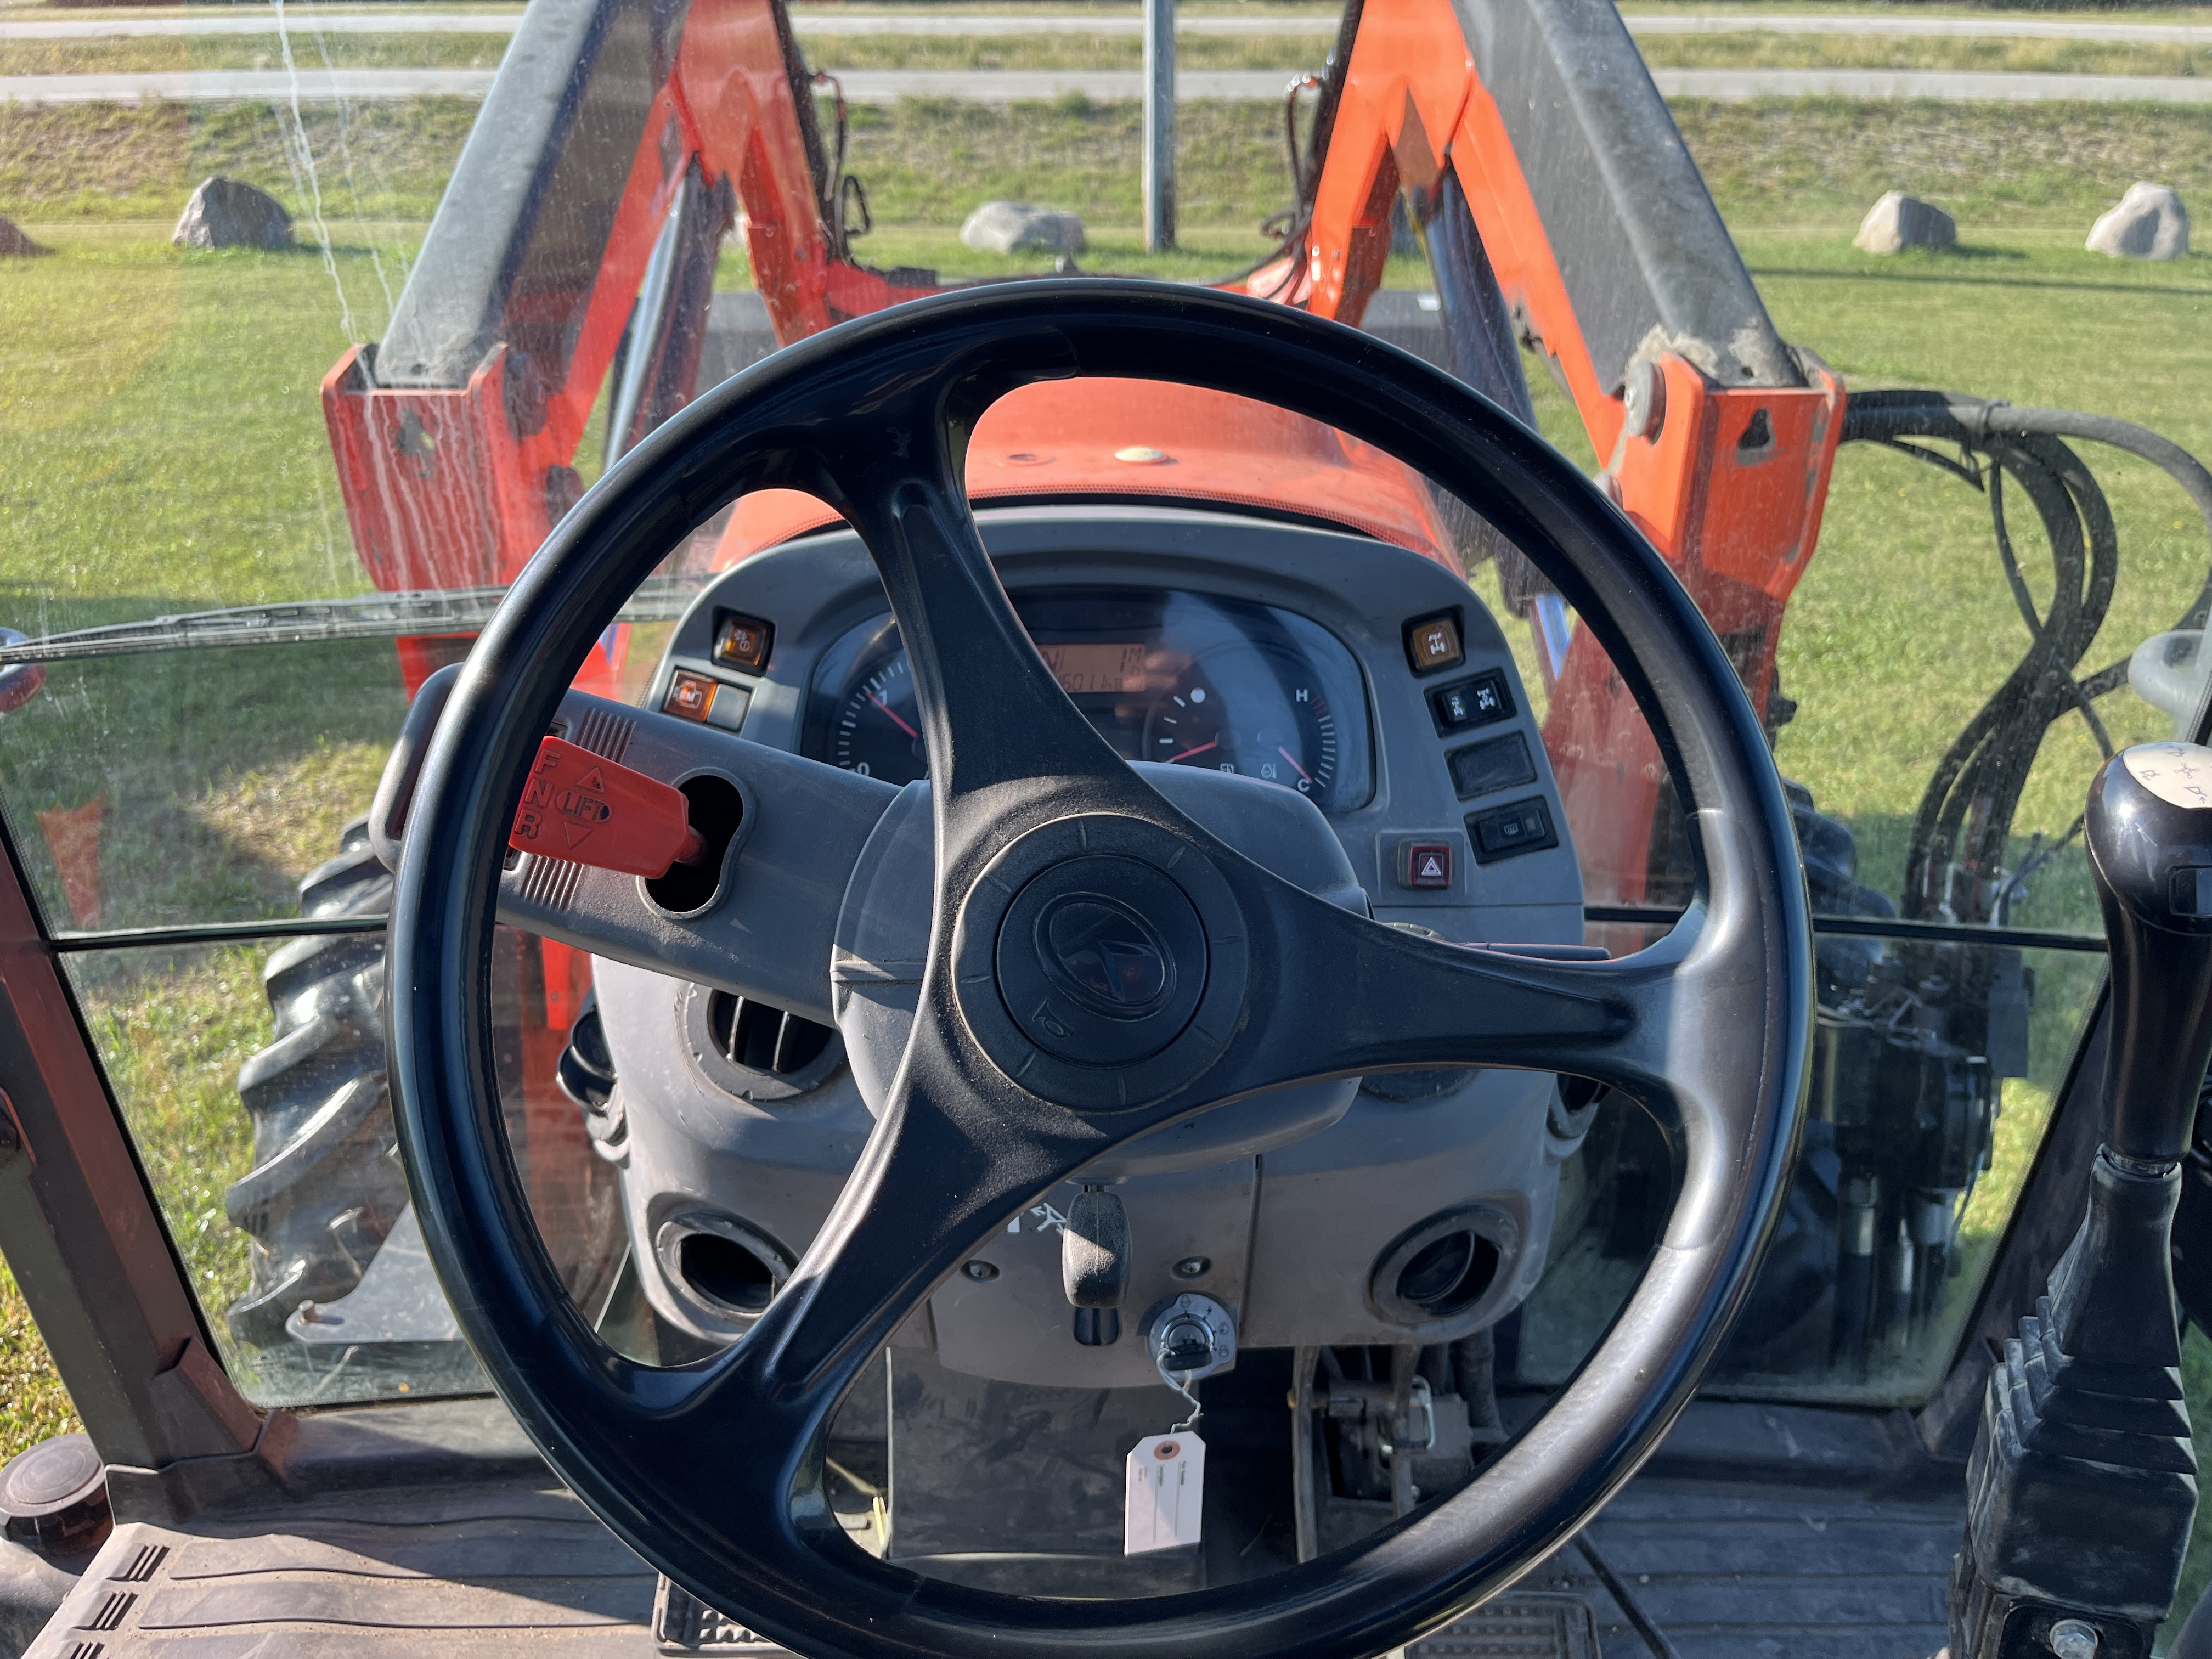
(372,616)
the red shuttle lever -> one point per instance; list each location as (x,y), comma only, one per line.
(581,806)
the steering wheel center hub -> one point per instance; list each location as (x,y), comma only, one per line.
(1102,961)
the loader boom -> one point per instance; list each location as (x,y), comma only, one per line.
(1561,207)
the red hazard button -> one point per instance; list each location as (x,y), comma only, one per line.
(1428,864)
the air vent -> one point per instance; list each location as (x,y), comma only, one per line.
(761,1037)
(727,1270)
(1444,1274)
(1449,1275)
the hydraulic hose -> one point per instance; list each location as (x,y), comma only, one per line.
(1889,417)
(1977,786)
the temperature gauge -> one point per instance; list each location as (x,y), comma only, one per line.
(1264,721)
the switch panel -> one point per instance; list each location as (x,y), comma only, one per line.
(1468,703)
(1425,864)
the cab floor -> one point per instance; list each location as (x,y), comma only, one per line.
(1830,1538)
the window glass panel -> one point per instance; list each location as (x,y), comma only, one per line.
(1953,666)
(167,788)
(252,1077)
(1913,1162)
(165,448)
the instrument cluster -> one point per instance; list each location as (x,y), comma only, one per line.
(1182,678)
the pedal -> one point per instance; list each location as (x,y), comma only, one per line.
(1526,1623)
(682,1623)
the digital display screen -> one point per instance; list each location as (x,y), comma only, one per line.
(1095,668)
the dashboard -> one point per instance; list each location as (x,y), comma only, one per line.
(1345,672)
(1365,678)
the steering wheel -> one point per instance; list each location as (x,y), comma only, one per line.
(713,1471)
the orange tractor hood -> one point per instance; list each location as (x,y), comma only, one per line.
(1100,439)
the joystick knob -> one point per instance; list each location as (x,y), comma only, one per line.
(2150,834)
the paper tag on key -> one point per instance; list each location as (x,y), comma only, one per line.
(1166,1481)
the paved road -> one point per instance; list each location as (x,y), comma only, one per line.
(1980,29)
(261,19)
(397,21)
(1947,86)
(243,86)
(861,86)
(1004,86)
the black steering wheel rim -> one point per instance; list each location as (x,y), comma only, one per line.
(872,416)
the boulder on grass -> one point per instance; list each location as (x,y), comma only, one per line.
(14,245)
(224,213)
(1018,227)
(2150,223)
(1898,221)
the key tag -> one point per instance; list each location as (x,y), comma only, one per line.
(1165,1481)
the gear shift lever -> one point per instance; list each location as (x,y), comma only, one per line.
(2150,843)
(2081,1491)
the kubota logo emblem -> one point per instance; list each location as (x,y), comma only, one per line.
(1105,956)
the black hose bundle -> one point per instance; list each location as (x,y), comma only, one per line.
(1955,860)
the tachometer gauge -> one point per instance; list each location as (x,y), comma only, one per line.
(1252,715)
(878,731)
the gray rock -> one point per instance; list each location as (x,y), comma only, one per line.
(14,245)
(1898,221)
(2150,223)
(1018,227)
(224,213)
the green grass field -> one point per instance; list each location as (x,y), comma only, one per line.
(1811,162)
(160,448)
(33,1404)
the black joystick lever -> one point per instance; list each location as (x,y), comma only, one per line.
(2150,844)
(2082,1488)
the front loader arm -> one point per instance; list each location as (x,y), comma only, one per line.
(618,144)
(1528,142)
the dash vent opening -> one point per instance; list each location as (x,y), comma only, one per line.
(761,1037)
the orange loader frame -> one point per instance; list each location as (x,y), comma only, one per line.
(454,481)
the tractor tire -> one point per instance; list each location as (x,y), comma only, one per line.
(326,1184)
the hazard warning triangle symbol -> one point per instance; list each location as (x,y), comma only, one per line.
(1431,868)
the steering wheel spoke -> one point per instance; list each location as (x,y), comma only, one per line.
(1359,997)
(1675,1025)
(946,1165)
(991,714)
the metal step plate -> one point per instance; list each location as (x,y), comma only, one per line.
(1520,1625)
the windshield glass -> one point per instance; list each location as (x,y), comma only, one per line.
(315,319)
